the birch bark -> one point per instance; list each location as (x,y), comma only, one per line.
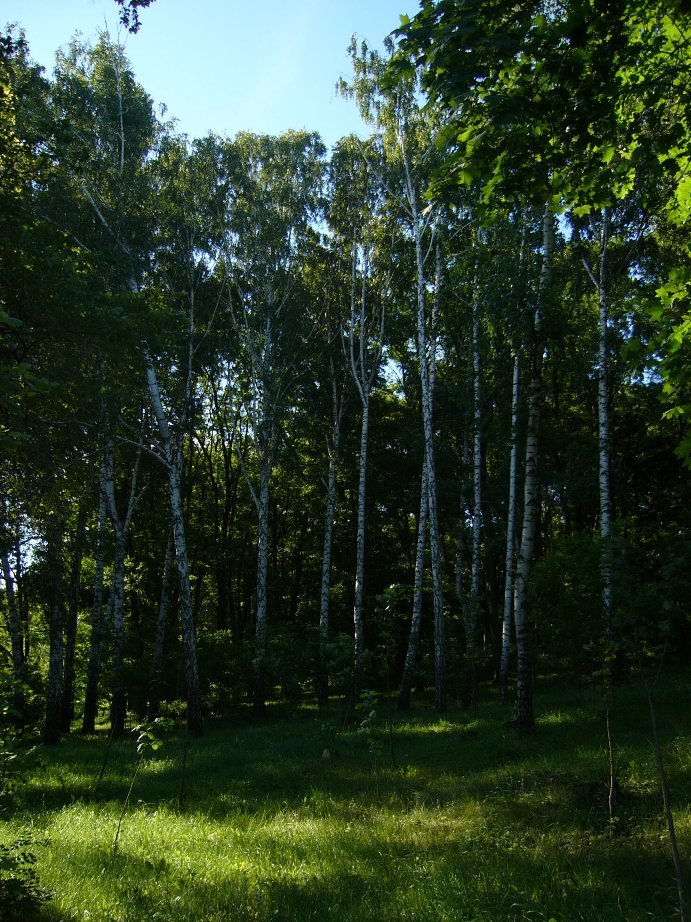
(471,609)
(510,537)
(120,525)
(416,619)
(426,347)
(171,455)
(161,624)
(337,407)
(510,560)
(261,413)
(605,465)
(97,640)
(525,719)
(365,352)
(73,618)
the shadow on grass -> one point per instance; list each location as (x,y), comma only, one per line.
(280,762)
(479,825)
(366,876)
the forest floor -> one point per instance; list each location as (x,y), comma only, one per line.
(418,817)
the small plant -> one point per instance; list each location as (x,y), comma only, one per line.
(368,728)
(21,895)
(150,738)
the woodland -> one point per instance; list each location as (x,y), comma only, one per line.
(344,494)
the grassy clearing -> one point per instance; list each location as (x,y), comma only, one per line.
(468,824)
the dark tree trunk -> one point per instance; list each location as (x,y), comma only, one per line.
(73,618)
(56,625)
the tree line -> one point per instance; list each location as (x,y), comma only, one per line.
(407,413)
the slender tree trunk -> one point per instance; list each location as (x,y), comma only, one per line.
(118,699)
(472,609)
(604,478)
(161,623)
(510,538)
(14,628)
(426,347)
(460,541)
(416,619)
(194,709)
(262,580)
(329,520)
(435,548)
(364,379)
(173,464)
(667,803)
(358,617)
(73,618)
(118,702)
(525,718)
(56,625)
(97,620)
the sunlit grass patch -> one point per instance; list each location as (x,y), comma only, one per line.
(433,823)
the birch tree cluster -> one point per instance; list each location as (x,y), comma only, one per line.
(280,421)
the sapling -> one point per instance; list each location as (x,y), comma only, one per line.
(367,728)
(149,739)
(666,799)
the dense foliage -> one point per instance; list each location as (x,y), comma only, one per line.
(286,373)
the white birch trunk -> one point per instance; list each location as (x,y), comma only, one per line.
(172,455)
(471,610)
(97,620)
(416,619)
(358,618)
(73,618)
(161,624)
(262,583)
(364,380)
(510,537)
(426,351)
(118,704)
(604,472)
(329,521)
(120,524)
(462,518)
(525,718)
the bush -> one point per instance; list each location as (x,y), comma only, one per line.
(21,895)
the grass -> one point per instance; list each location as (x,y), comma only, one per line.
(469,824)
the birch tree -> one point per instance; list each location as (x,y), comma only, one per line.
(353,213)
(112,131)
(332,372)
(412,652)
(406,143)
(161,625)
(10,562)
(98,618)
(55,611)
(531,498)
(507,617)
(120,523)
(275,185)
(600,283)
(78,542)
(365,343)
(470,612)
(510,558)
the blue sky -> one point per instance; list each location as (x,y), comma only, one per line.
(229,65)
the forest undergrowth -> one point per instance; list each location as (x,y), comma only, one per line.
(419,816)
